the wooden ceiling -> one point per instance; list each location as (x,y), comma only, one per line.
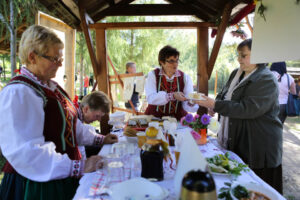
(204,10)
(68,11)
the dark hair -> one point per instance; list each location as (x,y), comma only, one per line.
(166,52)
(97,100)
(248,43)
(279,67)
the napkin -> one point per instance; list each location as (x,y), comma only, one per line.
(190,159)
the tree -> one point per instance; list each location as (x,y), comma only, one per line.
(20,12)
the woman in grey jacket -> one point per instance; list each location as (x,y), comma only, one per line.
(249,109)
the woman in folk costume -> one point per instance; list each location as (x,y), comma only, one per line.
(40,132)
(167,87)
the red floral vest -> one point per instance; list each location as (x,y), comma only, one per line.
(172,108)
(60,119)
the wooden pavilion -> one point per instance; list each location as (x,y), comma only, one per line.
(84,15)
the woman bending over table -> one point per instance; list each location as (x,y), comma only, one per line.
(250,127)
(40,132)
(167,87)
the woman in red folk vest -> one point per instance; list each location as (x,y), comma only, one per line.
(40,132)
(167,87)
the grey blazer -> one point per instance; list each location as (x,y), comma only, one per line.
(255,131)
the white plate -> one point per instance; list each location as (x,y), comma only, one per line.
(255,187)
(220,174)
(138,188)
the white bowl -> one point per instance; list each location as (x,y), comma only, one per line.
(138,188)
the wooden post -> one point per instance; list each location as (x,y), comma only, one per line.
(221,30)
(202,51)
(216,83)
(102,76)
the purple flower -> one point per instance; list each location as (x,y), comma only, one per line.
(205,119)
(189,118)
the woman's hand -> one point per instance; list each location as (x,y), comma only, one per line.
(179,96)
(92,164)
(207,102)
(110,139)
(211,112)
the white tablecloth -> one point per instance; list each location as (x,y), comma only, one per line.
(90,182)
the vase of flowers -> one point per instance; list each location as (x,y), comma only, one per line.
(199,125)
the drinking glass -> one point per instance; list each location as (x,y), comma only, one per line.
(115,173)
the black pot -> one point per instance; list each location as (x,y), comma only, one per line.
(152,165)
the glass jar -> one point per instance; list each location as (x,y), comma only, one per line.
(152,165)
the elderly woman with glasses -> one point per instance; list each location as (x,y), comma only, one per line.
(40,132)
(167,87)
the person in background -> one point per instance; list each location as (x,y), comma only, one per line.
(298,87)
(249,109)
(167,87)
(85,84)
(40,131)
(92,107)
(91,81)
(131,69)
(280,73)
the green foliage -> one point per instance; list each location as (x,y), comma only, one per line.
(225,64)
(24,11)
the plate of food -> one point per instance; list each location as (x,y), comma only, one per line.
(223,165)
(251,190)
(196,96)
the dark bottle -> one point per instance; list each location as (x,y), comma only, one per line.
(198,185)
(152,165)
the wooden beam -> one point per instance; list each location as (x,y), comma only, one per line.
(102,76)
(202,12)
(202,52)
(249,25)
(151,25)
(87,35)
(72,7)
(219,38)
(149,10)
(127,75)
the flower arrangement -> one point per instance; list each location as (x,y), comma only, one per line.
(196,122)
(199,124)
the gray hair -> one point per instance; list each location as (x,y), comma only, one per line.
(97,100)
(39,39)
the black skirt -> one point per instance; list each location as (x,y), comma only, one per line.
(272,176)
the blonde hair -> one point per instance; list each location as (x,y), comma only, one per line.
(39,39)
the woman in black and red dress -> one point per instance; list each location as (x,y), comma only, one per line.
(167,87)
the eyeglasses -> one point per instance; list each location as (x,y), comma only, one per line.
(173,61)
(52,59)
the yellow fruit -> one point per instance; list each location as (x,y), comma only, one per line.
(151,132)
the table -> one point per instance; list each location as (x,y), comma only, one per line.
(90,182)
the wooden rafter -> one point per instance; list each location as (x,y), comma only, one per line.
(151,25)
(85,21)
(150,10)
(221,30)
(98,16)
(249,25)
(202,12)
